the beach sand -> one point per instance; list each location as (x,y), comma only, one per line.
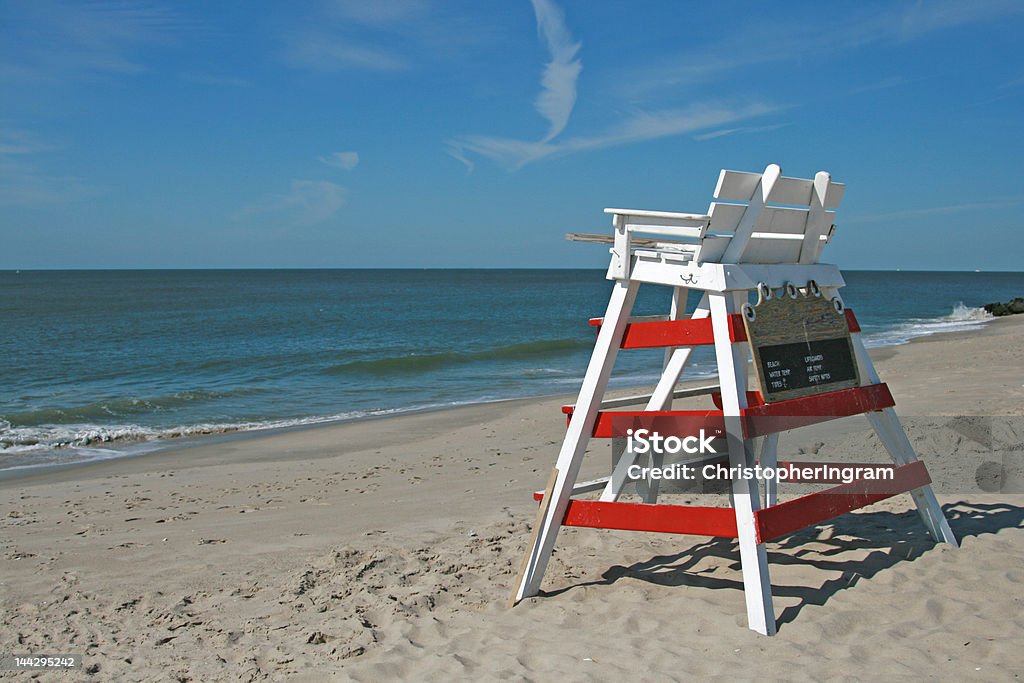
(386,549)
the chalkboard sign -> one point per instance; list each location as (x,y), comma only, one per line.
(800,343)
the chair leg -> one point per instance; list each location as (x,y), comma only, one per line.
(890,432)
(732,373)
(577,436)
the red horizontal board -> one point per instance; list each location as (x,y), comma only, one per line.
(753,399)
(793,515)
(801,412)
(666,519)
(689,331)
(666,422)
(654,334)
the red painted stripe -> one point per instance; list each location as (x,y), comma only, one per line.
(666,422)
(758,419)
(666,519)
(689,332)
(801,513)
(851,320)
(801,412)
(753,399)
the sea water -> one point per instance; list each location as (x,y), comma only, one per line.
(98,364)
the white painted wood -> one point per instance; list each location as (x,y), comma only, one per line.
(769,458)
(818,221)
(725,218)
(644,398)
(581,426)
(890,432)
(720,277)
(738,244)
(618,479)
(741,185)
(732,374)
(695,218)
(622,250)
(586,486)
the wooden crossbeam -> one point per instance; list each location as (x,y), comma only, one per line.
(668,519)
(794,515)
(781,416)
(758,419)
(651,334)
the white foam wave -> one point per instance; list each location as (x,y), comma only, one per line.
(961,319)
(87,439)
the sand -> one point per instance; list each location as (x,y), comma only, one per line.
(386,549)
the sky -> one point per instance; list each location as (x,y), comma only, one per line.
(476,133)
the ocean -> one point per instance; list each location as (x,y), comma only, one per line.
(100,364)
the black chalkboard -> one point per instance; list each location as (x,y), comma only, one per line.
(804,364)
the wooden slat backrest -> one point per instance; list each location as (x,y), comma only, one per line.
(764,232)
(725,218)
(740,186)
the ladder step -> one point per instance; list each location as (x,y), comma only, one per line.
(794,515)
(781,416)
(759,420)
(654,334)
(667,519)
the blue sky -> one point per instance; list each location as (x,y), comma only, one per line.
(419,133)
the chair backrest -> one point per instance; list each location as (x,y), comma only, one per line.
(780,219)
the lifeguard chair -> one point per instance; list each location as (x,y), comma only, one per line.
(764,233)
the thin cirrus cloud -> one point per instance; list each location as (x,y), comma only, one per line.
(558,84)
(332,46)
(57,41)
(515,154)
(558,98)
(748,47)
(23,181)
(324,52)
(379,12)
(346,161)
(935,210)
(555,101)
(724,132)
(306,202)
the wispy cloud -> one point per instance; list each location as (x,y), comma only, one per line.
(23,179)
(57,40)
(738,130)
(935,210)
(640,127)
(325,52)
(555,101)
(346,161)
(305,203)
(558,94)
(379,12)
(382,35)
(792,39)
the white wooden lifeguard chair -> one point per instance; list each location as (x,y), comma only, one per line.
(764,233)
